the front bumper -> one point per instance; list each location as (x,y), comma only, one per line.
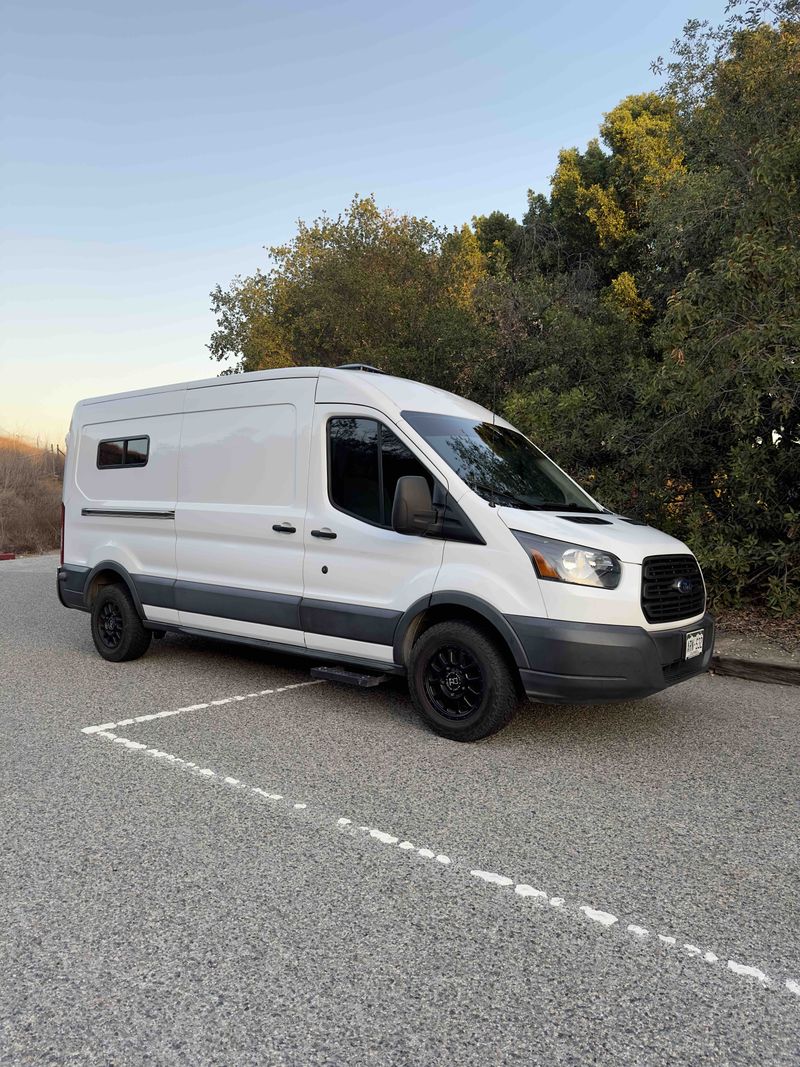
(592,663)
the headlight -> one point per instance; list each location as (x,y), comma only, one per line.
(560,561)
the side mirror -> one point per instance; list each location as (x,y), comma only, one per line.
(412,510)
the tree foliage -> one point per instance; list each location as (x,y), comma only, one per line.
(640,322)
(368,286)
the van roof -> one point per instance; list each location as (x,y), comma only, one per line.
(337,385)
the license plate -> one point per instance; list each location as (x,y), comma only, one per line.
(694,644)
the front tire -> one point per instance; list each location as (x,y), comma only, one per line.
(460,682)
(117,630)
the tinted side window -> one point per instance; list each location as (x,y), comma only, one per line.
(136,450)
(126,452)
(396,462)
(110,453)
(354,468)
(366,460)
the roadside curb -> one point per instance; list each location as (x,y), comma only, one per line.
(756,670)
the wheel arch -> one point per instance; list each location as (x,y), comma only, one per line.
(464,607)
(108,572)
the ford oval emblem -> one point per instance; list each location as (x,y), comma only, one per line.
(682,585)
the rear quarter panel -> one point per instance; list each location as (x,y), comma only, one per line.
(141,545)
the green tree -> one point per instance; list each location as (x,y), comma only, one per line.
(247,330)
(368,286)
(640,322)
(498,237)
(599,197)
(728,232)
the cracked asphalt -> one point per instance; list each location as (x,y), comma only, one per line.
(150,914)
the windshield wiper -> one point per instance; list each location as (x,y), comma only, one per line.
(494,491)
(517,501)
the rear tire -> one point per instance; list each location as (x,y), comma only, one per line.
(117,630)
(461,682)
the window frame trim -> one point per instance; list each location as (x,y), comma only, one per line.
(123,465)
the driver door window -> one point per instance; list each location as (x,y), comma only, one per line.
(365,461)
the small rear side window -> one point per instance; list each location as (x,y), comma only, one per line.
(136,449)
(123,452)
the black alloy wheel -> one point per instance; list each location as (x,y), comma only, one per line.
(117,631)
(454,682)
(110,624)
(462,680)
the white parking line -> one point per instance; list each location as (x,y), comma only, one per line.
(523,891)
(105,726)
(605,918)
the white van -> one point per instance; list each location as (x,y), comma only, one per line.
(378,526)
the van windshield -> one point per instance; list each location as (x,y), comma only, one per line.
(500,464)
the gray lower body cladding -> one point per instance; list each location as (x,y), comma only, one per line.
(350,621)
(559,662)
(71,586)
(579,662)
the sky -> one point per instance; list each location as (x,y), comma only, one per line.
(150,151)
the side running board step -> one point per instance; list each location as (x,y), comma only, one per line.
(346,677)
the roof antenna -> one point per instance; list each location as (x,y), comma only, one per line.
(494,454)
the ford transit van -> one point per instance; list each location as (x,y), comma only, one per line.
(377,526)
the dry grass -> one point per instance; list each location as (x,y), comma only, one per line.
(30,496)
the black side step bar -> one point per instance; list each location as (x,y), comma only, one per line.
(346,677)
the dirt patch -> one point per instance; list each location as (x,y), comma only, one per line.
(753,634)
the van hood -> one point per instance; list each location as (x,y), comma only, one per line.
(628,540)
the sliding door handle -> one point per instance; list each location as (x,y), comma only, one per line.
(284,527)
(325,533)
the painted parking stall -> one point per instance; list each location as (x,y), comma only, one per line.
(524,894)
(620,850)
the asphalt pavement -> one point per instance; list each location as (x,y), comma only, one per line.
(205,859)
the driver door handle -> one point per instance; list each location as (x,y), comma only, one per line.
(284,527)
(325,533)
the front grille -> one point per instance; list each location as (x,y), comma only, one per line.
(663,599)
